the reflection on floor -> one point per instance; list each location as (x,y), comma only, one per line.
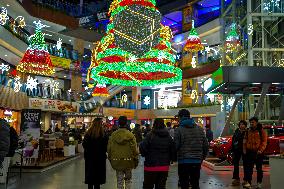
(71,176)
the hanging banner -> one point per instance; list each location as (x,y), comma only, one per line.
(187,16)
(53,105)
(30,132)
(60,62)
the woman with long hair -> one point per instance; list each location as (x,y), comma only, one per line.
(95,148)
(159,150)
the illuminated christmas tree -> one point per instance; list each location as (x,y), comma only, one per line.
(136,50)
(100,90)
(36,59)
(193,43)
(232,43)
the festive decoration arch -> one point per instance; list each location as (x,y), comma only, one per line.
(136,50)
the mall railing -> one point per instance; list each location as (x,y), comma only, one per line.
(73,9)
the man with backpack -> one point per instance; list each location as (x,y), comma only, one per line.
(192,149)
(123,153)
(254,144)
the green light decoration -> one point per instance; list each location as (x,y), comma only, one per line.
(136,50)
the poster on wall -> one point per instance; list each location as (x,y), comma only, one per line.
(30,132)
(187,16)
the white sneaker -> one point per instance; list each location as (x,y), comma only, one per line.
(258,186)
(247,185)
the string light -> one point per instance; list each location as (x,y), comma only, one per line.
(124,98)
(147,100)
(17,84)
(3,16)
(31,83)
(193,62)
(232,43)
(250,29)
(4,68)
(59,44)
(21,21)
(193,43)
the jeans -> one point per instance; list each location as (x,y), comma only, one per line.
(251,159)
(236,161)
(189,173)
(124,179)
(155,178)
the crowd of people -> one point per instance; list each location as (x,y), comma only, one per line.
(187,144)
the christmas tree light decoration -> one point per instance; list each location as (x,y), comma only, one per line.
(100,90)
(124,98)
(193,62)
(4,68)
(250,29)
(193,43)
(3,16)
(21,22)
(31,83)
(36,59)
(17,84)
(136,50)
(232,43)
(59,44)
(271,5)
(147,100)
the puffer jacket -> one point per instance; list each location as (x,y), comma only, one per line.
(158,148)
(122,150)
(237,141)
(4,139)
(254,141)
(190,140)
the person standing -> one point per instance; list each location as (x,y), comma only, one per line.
(123,154)
(254,144)
(237,150)
(147,130)
(137,133)
(209,133)
(95,148)
(159,150)
(192,149)
(4,140)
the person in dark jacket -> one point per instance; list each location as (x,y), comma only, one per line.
(192,149)
(209,133)
(4,140)
(137,133)
(237,150)
(14,139)
(147,130)
(95,148)
(159,150)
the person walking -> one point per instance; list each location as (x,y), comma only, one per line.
(254,144)
(137,133)
(209,133)
(123,154)
(192,149)
(159,151)
(237,150)
(95,148)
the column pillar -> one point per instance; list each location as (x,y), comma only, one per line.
(259,107)
(76,77)
(136,97)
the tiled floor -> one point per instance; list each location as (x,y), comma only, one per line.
(71,176)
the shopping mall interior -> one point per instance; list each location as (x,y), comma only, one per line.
(65,64)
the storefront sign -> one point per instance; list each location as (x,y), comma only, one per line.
(30,132)
(60,62)
(116,112)
(53,105)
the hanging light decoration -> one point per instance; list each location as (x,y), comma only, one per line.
(36,59)
(136,50)
(193,43)
(232,43)
(100,90)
